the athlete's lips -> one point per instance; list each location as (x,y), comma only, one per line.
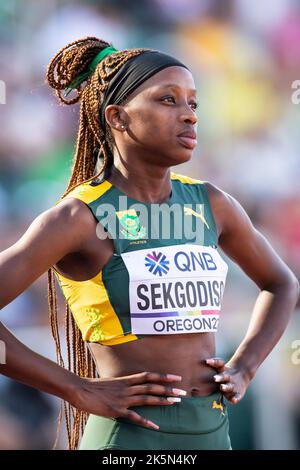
(188,138)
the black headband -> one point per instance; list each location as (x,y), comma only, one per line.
(132,74)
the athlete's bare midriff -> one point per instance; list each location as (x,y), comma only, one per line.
(181,354)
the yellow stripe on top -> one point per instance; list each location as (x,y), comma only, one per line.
(92,310)
(87,193)
(185,179)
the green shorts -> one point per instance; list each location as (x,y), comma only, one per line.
(195,423)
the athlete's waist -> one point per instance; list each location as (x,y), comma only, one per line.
(184,356)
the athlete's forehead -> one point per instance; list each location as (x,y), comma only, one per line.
(176,86)
(175,77)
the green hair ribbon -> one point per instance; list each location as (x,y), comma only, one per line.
(90,69)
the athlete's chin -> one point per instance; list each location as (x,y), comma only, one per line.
(181,157)
(176,156)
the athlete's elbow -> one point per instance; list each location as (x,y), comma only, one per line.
(289,287)
(296,287)
(292,283)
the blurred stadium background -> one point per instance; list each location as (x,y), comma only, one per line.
(245,57)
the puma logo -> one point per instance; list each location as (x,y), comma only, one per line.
(216,405)
(189,211)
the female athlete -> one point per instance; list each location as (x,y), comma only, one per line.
(134,248)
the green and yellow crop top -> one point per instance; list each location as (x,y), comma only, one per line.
(165,276)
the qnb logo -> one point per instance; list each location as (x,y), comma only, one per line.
(157,263)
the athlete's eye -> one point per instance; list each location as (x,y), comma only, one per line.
(194,105)
(168,97)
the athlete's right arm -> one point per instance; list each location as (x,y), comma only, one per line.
(52,235)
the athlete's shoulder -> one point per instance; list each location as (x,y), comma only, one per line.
(214,192)
(226,208)
(185,179)
(217,196)
(71,214)
(88,191)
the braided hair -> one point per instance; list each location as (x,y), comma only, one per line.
(93,145)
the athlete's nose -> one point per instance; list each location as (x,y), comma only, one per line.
(189,116)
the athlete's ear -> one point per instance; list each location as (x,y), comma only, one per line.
(116,117)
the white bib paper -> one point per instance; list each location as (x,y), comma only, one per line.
(175,289)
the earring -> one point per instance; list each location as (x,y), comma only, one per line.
(122,126)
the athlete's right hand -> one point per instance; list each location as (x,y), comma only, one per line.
(111,397)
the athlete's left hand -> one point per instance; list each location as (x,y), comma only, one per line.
(233,380)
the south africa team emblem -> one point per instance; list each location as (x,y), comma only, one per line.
(131,226)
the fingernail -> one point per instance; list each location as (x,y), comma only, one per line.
(176,377)
(173,399)
(178,391)
(153,424)
(218,378)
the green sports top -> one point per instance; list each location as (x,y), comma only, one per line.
(165,276)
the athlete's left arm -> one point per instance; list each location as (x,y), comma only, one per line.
(278,296)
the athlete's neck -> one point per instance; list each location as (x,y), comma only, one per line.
(149,185)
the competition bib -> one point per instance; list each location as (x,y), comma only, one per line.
(175,289)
